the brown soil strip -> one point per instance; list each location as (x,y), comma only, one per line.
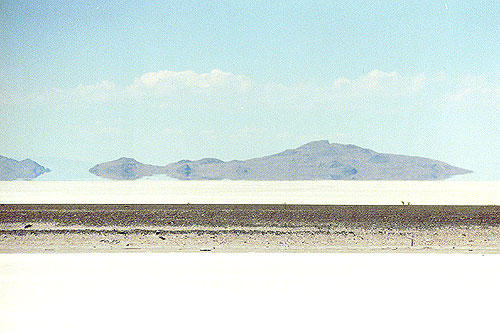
(236,228)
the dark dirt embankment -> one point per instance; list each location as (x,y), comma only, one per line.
(243,228)
(287,216)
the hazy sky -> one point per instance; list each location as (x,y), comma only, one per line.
(97,80)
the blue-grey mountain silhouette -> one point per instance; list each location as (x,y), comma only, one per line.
(313,161)
(11,169)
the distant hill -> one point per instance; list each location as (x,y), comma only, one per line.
(313,161)
(125,169)
(11,169)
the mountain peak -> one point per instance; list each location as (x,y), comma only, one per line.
(315,160)
(11,169)
(315,144)
(126,160)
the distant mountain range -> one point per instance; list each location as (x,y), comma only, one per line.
(11,169)
(313,161)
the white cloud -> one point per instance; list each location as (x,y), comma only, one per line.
(378,82)
(223,91)
(475,89)
(100,92)
(96,88)
(159,86)
(167,82)
(165,87)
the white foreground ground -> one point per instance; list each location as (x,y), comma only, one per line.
(253,192)
(249,292)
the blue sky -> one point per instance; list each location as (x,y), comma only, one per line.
(97,80)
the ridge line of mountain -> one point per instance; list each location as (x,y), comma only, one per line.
(11,169)
(315,160)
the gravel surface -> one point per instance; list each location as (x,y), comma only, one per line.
(70,228)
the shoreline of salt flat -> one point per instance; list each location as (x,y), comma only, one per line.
(252,192)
